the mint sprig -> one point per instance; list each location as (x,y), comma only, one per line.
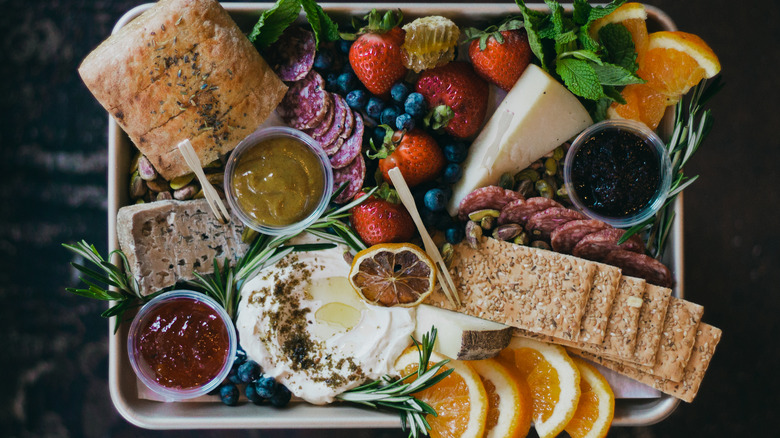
(273,22)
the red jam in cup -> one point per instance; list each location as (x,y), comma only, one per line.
(181,344)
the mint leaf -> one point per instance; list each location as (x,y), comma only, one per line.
(585,55)
(597,12)
(533,21)
(273,22)
(586,41)
(580,78)
(556,16)
(611,74)
(613,94)
(324,28)
(581,12)
(619,46)
(598,111)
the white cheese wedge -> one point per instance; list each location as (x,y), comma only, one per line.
(537,115)
(461,336)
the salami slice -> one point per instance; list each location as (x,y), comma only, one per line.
(492,197)
(291,57)
(351,147)
(306,102)
(353,175)
(325,125)
(565,237)
(641,266)
(349,123)
(596,246)
(328,138)
(520,212)
(542,224)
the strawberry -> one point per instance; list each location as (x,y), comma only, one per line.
(376,55)
(378,220)
(456,88)
(500,54)
(415,153)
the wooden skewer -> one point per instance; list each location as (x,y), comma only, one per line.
(445,280)
(212,197)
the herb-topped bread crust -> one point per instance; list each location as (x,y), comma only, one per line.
(183,69)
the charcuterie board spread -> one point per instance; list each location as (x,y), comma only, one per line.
(523,153)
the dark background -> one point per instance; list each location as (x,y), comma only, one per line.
(53,189)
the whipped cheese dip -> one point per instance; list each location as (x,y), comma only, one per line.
(304,324)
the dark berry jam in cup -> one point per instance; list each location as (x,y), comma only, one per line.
(618,171)
(181,344)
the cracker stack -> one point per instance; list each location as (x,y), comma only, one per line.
(621,322)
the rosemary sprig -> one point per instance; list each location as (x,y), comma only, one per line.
(127,294)
(396,394)
(690,130)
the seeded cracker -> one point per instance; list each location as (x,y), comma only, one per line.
(594,320)
(528,288)
(677,339)
(620,339)
(651,320)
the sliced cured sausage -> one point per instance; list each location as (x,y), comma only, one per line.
(520,212)
(641,266)
(352,174)
(565,237)
(325,125)
(328,138)
(596,246)
(291,57)
(306,102)
(542,224)
(351,147)
(490,197)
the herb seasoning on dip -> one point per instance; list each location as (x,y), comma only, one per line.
(180,343)
(618,172)
(278,178)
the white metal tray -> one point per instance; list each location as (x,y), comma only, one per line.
(300,415)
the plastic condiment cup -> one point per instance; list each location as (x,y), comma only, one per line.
(664,168)
(143,370)
(254,140)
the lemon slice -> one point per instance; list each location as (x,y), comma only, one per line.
(596,407)
(393,274)
(460,400)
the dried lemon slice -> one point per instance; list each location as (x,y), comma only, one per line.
(393,274)
(429,42)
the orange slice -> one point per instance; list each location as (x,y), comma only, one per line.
(690,44)
(460,400)
(509,400)
(643,104)
(596,407)
(633,17)
(393,274)
(553,379)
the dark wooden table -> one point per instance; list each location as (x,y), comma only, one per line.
(53,160)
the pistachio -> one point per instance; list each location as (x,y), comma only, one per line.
(550,166)
(145,169)
(249,235)
(140,201)
(507,232)
(181,181)
(186,192)
(506,181)
(134,161)
(447,252)
(473,234)
(479,214)
(158,184)
(541,244)
(559,153)
(199,195)
(216,164)
(562,192)
(487,222)
(544,189)
(137,186)
(527,174)
(521,239)
(526,188)
(216,179)
(164,196)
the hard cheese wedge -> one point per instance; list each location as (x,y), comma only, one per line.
(537,115)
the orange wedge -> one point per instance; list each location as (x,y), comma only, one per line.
(596,407)
(553,379)
(643,104)
(393,274)
(509,400)
(632,16)
(460,399)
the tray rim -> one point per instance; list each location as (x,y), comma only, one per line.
(157,415)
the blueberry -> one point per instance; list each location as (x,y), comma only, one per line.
(454,234)
(447,190)
(389,115)
(415,105)
(228,393)
(379,136)
(345,82)
(233,374)
(251,393)
(357,99)
(452,173)
(344,46)
(435,199)
(455,152)
(404,121)
(399,92)
(249,371)
(331,81)
(347,68)
(323,60)
(266,387)
(282,397)
(374,107)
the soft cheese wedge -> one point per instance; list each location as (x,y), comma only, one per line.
(537,115)
(462,336)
